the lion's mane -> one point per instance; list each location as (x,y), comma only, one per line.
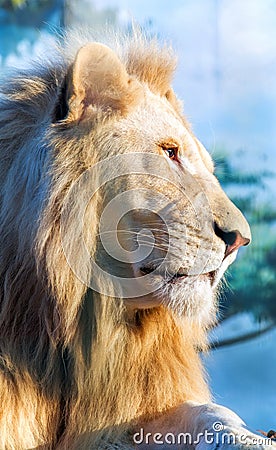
(76,370)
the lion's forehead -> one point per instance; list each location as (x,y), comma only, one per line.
(153,122)
(155,117)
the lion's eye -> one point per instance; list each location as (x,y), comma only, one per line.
(172,153)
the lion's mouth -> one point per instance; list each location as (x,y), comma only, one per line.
(179,276)
(212,277)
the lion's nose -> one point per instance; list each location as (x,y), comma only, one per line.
(232,239)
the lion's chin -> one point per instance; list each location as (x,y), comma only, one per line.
(186,296)
(191,296)
(195,296)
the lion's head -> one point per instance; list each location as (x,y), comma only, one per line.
(114,235)
(163,231)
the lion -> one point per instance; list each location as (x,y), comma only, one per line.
(115,234)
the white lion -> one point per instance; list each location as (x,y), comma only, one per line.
(114,236)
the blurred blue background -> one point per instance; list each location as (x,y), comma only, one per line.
(227,79)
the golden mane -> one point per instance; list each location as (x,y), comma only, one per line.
(76,368)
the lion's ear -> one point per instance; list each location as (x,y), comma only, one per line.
(98,79)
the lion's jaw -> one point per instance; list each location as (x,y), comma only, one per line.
(193,296)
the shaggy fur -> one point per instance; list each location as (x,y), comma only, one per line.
(77,370)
